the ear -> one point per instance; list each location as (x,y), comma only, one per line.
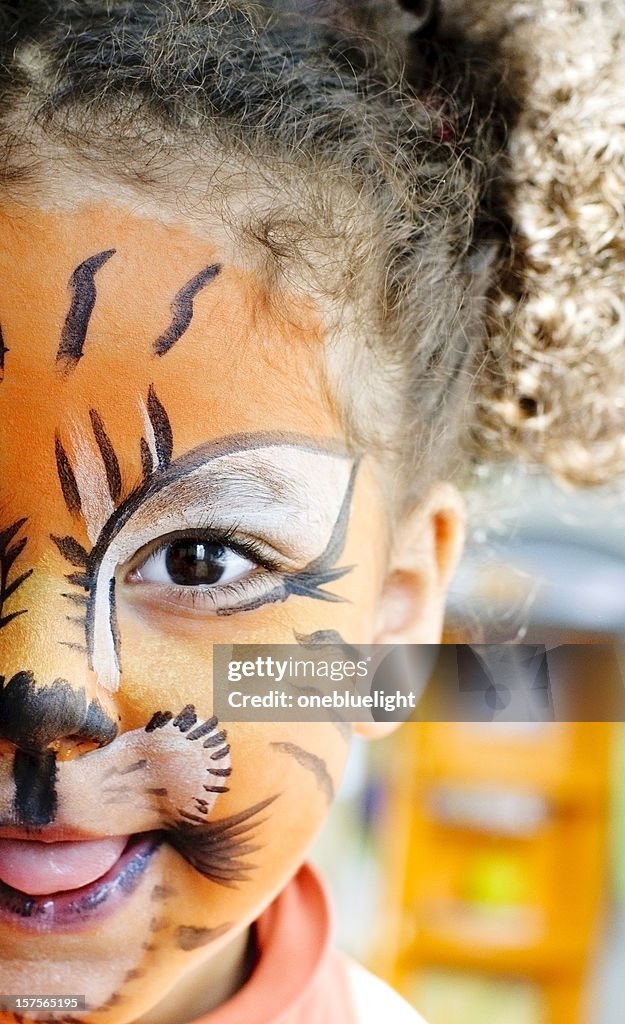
(428,544)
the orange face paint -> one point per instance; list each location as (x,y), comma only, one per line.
(172,477)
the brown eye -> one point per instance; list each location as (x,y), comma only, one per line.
(194,562)
(191,563)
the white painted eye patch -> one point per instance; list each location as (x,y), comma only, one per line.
(294,500)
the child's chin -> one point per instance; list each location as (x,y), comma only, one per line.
(127,953)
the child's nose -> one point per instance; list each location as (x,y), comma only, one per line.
(55,717)
(40,723)
(49,698)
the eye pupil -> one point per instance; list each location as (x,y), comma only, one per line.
(192,562)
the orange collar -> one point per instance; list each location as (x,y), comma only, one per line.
(298,977)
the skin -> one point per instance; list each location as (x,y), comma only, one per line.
(222,377)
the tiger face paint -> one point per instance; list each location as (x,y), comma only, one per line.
(172,476)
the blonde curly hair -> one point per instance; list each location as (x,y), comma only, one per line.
(553,385)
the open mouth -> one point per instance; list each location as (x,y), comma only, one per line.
(61,887)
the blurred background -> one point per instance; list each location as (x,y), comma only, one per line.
(479,867)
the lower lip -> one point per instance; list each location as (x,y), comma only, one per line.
(80,908)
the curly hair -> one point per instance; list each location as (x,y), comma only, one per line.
(553,386)
(366,146)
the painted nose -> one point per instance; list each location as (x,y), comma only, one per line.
(38,722)
(38,718)
(49,697)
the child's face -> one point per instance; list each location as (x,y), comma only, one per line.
(173,476)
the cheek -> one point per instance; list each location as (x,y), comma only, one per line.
(295,765)
(294,770)
(299,762)
(300,766)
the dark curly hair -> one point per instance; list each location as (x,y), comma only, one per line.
(357,143)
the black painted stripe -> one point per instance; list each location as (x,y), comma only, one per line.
(3,352)
(34,776)
(109,458)
(204,728)
(72,551)
(69,487)
(82,285)
(182,309)
(158,720)
(10,550)
(146,460)
(163,434)
(186,718)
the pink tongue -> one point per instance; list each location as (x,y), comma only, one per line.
(39,868)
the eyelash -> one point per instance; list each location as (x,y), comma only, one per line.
(236,595)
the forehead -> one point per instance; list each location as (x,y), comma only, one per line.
(113,323)
(100,303)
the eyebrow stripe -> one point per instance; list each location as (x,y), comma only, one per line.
(69,487)
(147,467)
(182,309)
(109,458)
(163,434)
(77,320)
(3,352)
